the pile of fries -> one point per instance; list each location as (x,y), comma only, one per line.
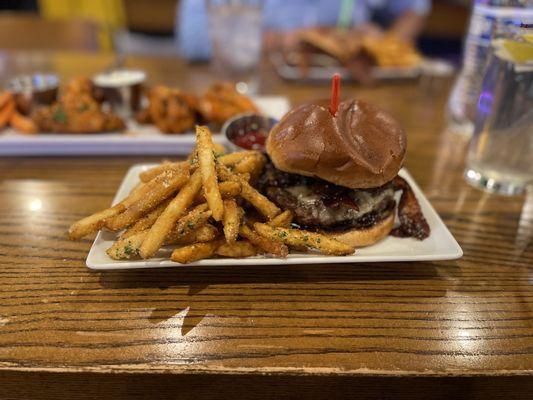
(10,116)
(205,206)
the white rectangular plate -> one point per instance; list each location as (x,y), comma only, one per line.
(136,140)
(440,245)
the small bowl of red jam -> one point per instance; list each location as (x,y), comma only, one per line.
(248,131)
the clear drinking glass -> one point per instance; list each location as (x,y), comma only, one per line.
(500,157)
(235,32)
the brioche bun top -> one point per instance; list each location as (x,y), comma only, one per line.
(360,147)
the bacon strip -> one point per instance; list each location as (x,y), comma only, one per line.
(412,221)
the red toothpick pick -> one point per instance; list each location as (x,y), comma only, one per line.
(335,89)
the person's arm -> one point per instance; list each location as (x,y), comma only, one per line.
(408,17)
(408,25)
(191,30)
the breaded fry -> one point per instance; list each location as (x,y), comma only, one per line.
(127,248)
(191,221)
(297,237)
(275,247)
(283,220)
(154,192)
(206,162)
(252,164)
(163,225)
(96,221)
(232,159)
(195,252)
(6,112)
(228,190)
(250,194)
(150,174)
(239,249)
(232,220)
(204,233)
(5,97)
(145,222)
(22,124)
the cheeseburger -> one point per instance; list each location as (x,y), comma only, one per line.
(337,169)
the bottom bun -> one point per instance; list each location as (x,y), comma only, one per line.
(365,237)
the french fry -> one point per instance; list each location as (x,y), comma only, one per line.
(204,233)
(22,124)
(145,222)
(260,202)
(150,174)
(206,163)
(227,189)
(239,249)
(163,225)
(195,252)
(220,150)
(127,248)
(274,247)
(6,112)
(5,97)
(154,192)
(232,220)
(251,195)
(189,222)
(283,220)
(96,221)
(232,159)
(252,164)
(297,237)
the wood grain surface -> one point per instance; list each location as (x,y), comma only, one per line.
(292,327)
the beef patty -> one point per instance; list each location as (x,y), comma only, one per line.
(319,204)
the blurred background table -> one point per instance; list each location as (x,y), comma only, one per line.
(451,329)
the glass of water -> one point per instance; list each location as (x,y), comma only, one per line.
(500,157)
(235,32)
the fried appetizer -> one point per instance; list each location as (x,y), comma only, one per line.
(222,101)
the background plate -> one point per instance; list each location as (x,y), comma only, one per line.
(440,245)
(136,140)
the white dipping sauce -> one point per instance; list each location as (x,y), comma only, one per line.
(120,77)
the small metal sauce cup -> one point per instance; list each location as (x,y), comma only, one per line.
(242,124)
(121,89)
(32,91)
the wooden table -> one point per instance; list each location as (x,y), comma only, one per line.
(446,329)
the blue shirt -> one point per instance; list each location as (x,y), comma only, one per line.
(280,15)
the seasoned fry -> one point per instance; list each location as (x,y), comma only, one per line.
(204,233)
(150,174)
(297,237)
(228,190)
(269,246)
(22,124)
(163,225)
(260,202)
(96,221)
(240,249)
(145,222)
(219,149)
(283,220)
(127,248)
(5,97)
(195,252)
(252,164)
(189,222)
(232,220)
(206,162)
(6,112)
(234,158)
(154,192)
